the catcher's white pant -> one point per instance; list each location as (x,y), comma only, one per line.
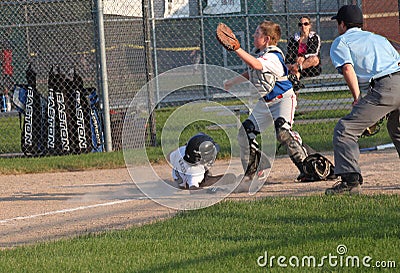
(283,106)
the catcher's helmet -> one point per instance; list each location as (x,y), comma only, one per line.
(202,149)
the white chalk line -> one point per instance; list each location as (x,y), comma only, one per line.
(96,185)
(69,210)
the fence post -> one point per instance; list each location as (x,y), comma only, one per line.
(202,46)
(103,81)
(149,69)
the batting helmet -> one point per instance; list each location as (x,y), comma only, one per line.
(202,149)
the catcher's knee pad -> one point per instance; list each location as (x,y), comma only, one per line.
(248,131)
(297,152)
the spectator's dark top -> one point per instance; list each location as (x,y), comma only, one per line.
(313,47)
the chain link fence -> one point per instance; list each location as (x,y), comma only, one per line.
(37,38)
(63,36)
(54,46)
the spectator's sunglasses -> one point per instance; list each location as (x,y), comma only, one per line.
(303,24)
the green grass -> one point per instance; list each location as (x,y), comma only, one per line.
(326,95)
(229,237)
(10,136)
(19,165)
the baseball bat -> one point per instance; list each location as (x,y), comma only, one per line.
(378,147)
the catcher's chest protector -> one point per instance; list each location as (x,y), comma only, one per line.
(265,80)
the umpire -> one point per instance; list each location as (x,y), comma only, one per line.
(367,61)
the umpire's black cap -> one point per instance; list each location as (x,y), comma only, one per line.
(349,14)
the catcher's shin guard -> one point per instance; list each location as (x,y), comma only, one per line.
(312,166)
(257,160)
(297,152)
(253,159)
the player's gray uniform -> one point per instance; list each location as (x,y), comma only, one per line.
(375,62)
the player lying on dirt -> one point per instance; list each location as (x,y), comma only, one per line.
(192,162)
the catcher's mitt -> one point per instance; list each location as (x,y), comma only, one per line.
(226,37)
(374,129)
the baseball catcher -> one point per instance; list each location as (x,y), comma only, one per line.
(192,162)
(269,74)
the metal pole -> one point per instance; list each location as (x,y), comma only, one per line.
(202,45)
(153,25)
(149,69)
(287,20)
(28,46)
(318,17)
(248,30)
(103,75)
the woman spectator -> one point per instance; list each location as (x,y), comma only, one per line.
(303,51)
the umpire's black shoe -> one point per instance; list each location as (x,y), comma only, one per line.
(341,187)
(351,183)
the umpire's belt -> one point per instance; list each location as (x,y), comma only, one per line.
(273,99)
(388,75)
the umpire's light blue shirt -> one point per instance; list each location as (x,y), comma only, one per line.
(371,55)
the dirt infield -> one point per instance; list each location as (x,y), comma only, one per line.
(42,207)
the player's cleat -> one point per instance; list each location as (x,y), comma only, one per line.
(342,187)
(262,175)
(259,175)
(332,177)
(302,178)
(193,188)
